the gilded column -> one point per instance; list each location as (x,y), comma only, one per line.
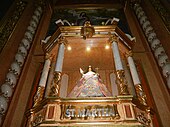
(155,44)
(55,86)
(135,77)
(42,84)
(120,74)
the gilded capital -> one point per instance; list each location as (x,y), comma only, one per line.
(62,40)
(113,38)
(129,54)
(48,56)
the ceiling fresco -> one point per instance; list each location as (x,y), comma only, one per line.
(96,17)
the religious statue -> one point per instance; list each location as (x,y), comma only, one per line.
(90,85)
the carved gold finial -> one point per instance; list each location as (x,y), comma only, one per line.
(39,95)
(121,82)
(55,87)
(87,30)
(87,24)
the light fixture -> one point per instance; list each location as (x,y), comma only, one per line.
(88,48)
(107,46)
(69,48)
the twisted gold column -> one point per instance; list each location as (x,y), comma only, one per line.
(55,87)
(136,80)
(39,95)
(140,94)
(42,83)
(121,82)
(120,74)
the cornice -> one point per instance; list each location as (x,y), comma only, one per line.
(75,32)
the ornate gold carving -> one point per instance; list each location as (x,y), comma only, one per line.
(63,40)
(140,94)
(121,82)
(48,56)
(38,119)
(113,38)
(129,54)
(55,87)
(39,95)
(75,111)
(87,30)
(143,119)
(7,28)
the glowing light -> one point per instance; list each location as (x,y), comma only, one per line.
(88,49)
(107,47)
(69,48)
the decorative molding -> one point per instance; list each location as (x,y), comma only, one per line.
(119,110)
(155,44)
(87,31)
(38,119)
(7,88)
(113,38)
(143,119)
(162,11)
(8,27)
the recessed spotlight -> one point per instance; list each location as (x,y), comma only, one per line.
(88,48)
(107,47)
(69,48)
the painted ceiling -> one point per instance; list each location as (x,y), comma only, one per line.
(96,16)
